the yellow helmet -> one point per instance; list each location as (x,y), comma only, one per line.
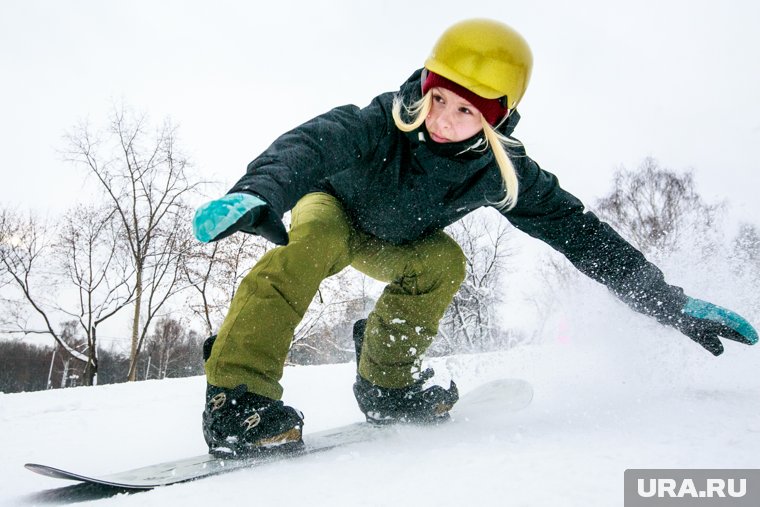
(487,57)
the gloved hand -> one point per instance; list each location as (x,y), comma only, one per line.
(238,212)
(704,322)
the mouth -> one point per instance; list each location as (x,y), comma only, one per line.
(438,139)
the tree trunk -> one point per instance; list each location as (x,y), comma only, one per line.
(91,367)
(136,328)
(65,374)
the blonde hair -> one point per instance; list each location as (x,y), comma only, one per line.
(418,111)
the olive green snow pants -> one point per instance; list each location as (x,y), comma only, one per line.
(253,342)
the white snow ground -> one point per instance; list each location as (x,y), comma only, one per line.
(624,393)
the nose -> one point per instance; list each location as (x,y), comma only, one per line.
(443,119)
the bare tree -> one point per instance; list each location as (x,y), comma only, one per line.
(470,323)
(24,251)
(94,262)
(555,277)
(172,244)
(162,345)
(85,247)
(659,211)
(746,247)
(144,178)
(214,272)
(325,333)
(745,261)
(6,232)
(6,304)
(653,206)
(172,350)
(71,371)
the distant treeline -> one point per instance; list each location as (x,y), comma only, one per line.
(26,367)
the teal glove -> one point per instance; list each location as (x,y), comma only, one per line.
(238,212)
(704,322)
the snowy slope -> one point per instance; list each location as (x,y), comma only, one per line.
(624,393)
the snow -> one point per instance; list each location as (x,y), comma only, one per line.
(613,391)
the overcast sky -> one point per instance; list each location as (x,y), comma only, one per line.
(613,81)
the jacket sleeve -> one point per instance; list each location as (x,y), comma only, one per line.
(299,159)
(547,212)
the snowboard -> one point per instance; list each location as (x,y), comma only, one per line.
(502,395)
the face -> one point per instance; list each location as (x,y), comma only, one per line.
(451,119)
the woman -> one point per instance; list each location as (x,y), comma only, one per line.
(373,188)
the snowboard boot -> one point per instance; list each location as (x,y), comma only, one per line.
(238,423)
(412,404)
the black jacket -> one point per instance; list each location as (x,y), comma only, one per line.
(401,187)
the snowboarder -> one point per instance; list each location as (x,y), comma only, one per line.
(373,188)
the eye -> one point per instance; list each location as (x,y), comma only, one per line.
(438,98)
(465,110)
